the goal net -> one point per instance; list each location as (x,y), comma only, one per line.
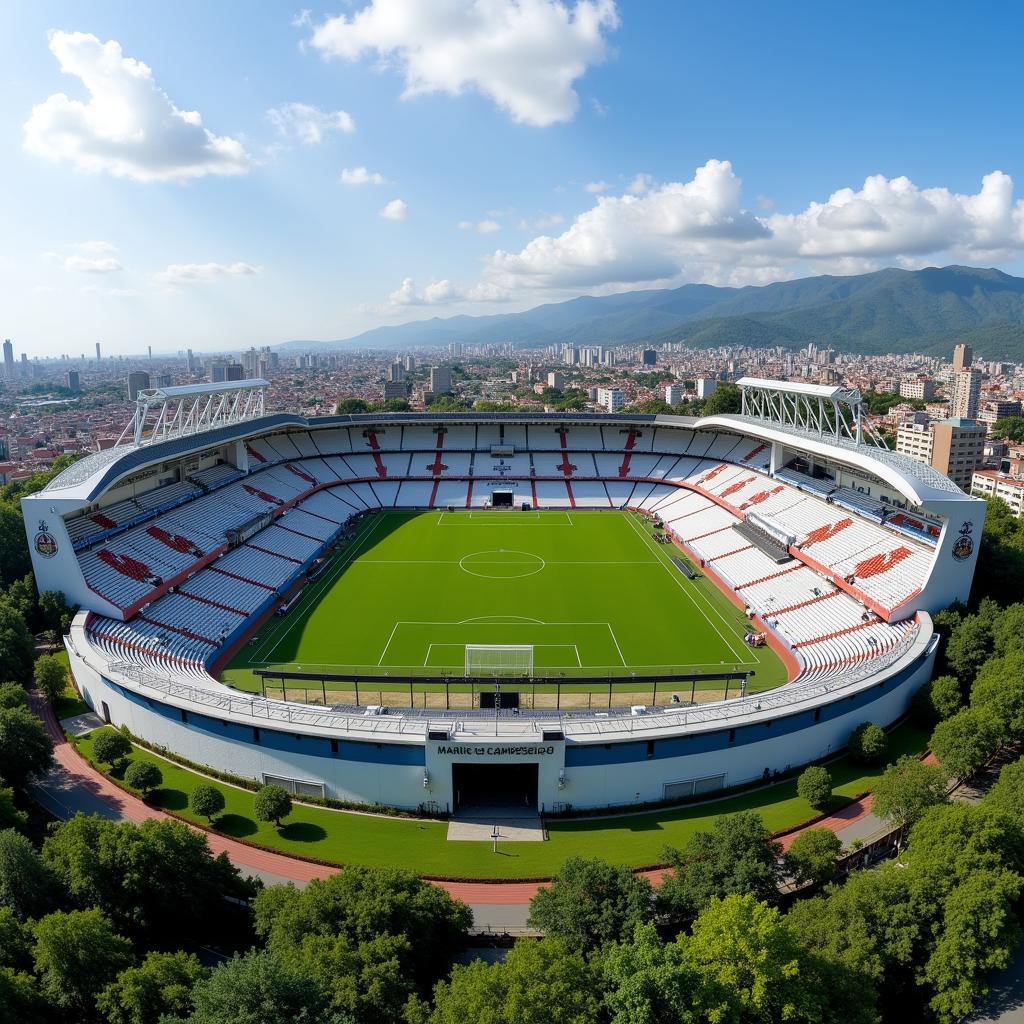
(499,660)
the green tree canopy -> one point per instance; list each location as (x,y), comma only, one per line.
(907,789)
(207,801)
(111,746)
(272,803)
(812,855)
(13,695)
(50,677)
(25,746)
(17,648)
(538,983)
(159,989)
(965,742)
(736,855)
(868,743)
(77,953)
(26,886)
(143,776)
(815,786)
(351,407)
(590,903)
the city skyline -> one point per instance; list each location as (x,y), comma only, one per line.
(198,179)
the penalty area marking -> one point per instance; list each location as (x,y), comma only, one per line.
(536,647)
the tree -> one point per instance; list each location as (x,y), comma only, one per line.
(19,998)
(272,803)
(812,855)
(17,648)
(726,398)
(351,407)
(25,746)
(999,687)
(256,987)
(1007,795)
(735,856)
(979,934)
(15,941)
(55,611)
(207,801)
(1009,427)
(13,695)
(111,746)
(363,904)
(156,880)
(76,954)
(10,816)
(969,647)
(50,676)
(590,903)
(26,886)
(965,742)
(143,776)
(538,983)
(937,700)
(815,786)
(159,989)
(907,789)
(868,743)
(1008,630)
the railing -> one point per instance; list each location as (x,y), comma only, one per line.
(581,724)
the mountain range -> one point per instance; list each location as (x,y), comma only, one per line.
(890,310)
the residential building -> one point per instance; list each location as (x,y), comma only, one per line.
(556,380)
(673,394)
(611,398)
(962,356)
(74,381)
(966,394)
(706,386)
(9,359)
(395,389)
(921,388)
(992,484)
(955,447)
(999,409)
(649,357)
(396,371)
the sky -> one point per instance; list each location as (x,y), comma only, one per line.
(219,175)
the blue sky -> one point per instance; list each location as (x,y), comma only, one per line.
(734,143)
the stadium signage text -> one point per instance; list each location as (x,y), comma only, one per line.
(468,751)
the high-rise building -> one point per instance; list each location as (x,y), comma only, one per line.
(962,356)
(8,360)
(706,387)
(235,371)
(395,389)
(917,387)
(440,380)
(251,363)
(955,446)
(396,371)
(24,366)
(611,398)
(454,348)
(190,362)
(218,371)
(163,381)
(98,356)
(410,364)
(649,357)
(74,382)
(556,380)
(966,393)
(138,380)
(673,394)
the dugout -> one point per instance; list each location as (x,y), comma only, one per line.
(502,499)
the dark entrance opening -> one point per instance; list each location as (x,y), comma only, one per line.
(502,499)
(489,788)
(505,699)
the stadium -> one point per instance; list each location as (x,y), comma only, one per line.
(464,611)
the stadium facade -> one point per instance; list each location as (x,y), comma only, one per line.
(208,515)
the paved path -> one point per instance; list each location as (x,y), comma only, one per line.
(73,785)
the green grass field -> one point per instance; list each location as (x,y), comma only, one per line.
(591,592)
(344,837)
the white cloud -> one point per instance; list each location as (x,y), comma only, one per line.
(594,187)
(434,294)
(639,185)
(185,273)
(310,125)
(128,127)
(97,248)
(98,265)
(482,227)
(361,176)
(395,210)
(524,55)
(699,230)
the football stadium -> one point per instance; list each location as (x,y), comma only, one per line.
(542,611)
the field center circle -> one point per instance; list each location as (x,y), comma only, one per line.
(501,564)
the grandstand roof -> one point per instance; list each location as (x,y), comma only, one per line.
(796,388)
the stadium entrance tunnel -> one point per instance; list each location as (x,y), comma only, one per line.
(504,789)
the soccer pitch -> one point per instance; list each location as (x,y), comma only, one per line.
(591,592)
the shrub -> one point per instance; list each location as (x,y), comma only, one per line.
(13,695)
(143,776)
(207,801)
(867,743)
(110,746)
(815,786)
(272,803)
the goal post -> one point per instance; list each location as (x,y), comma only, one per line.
(499,659)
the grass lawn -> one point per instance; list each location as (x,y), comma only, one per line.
(68,704)
(343,837)
(591,592)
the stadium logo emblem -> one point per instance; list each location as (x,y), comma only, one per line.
(963,547)
(46,544)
